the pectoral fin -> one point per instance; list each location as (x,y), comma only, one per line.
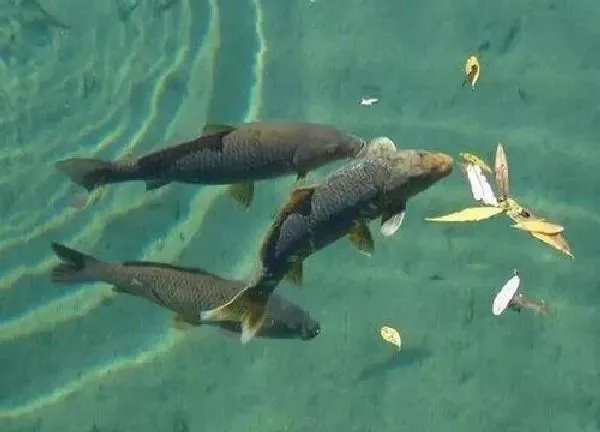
(242,193)
(216,128)
(295,274)
(390,223)
(360,237)
(247,307)
(156,184)
(468,215)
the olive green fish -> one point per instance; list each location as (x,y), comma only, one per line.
(377,185)
(225,155)
(195,295)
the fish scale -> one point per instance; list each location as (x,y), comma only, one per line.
(379,184)
(171,288)
(195,295)
(225,155)
(334,208)
(343,199)
(348,188)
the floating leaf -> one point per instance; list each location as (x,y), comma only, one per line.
(391,335)
(476,160)
(501,168)
(469,215)
(480,187)
(506,294)
(472,70)
(557,241)
(539,225)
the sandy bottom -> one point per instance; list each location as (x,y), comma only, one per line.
(121,78)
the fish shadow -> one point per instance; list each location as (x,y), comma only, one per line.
(396,360)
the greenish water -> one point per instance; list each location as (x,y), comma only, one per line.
(118,78)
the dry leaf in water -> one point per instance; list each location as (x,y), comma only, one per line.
(540,226)
(557,241)
(391,335)
(476,160)
(501,168)
(471,214)
(472,70)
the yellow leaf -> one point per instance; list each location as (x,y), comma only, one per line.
(557,241)
(472,70)
(469,215)
(540,226)
(476,160)
(391,335)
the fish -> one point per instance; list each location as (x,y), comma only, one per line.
(196,296)
(230,155)
(375,186)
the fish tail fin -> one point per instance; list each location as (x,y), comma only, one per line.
(249,307)
(75,267)
(87,173)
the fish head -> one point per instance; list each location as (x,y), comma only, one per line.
(351,145)
(413,171)
(378,147)
(322,150)
(347,146)
(310,329)
(287,320)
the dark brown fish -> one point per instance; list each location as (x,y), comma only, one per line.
(225,155)
(378,185)
(195,295)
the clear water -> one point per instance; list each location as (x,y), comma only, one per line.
(115,78)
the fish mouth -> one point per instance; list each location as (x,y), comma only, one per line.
(362,146)
(440,164)
(311,332)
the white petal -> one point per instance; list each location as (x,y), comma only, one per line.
(476,188)
(506,294)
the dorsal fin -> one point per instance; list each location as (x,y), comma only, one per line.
(151,264)
(298,198)
(212,128)
(166,157)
